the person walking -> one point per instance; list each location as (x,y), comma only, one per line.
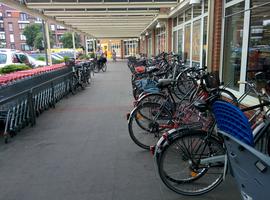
(114,55)
(99,57)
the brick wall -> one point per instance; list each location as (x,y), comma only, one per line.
(217,36)
(153,42)
(16,31)
(169,36)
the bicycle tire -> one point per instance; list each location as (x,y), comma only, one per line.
(201,179)
(104,67)
(184,85)
(96,68)
(152,97)
(73,85)
(228,96)
(145,130)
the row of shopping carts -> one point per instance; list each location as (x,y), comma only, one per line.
(23,100)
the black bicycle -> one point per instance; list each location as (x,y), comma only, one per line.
(100,65)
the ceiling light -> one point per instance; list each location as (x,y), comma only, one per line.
(158,25)
(146,33)
(195,1)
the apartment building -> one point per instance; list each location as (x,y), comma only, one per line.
(12,24)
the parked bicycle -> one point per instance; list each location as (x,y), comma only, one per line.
(193,162)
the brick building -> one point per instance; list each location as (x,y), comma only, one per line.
(12,24)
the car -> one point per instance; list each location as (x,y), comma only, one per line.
(8,56)
(34,62)
(55,57)
(11,56)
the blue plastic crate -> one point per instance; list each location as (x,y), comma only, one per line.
(232,120)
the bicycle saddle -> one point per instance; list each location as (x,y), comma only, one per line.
(164,82)
(200,105)
(152,69)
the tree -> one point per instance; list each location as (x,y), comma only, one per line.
(39,42)
(31,32)
(66,39)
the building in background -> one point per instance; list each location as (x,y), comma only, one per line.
(123,47)
(12,24)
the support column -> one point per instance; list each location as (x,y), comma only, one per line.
(216,41)
(154,42)
(169,35)
(86,45)
(146,46)
(73,42)
(122,49)
(49,54)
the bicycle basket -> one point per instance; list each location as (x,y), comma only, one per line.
(212,81)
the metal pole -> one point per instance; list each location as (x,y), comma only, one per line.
(45,42)
(74,47)
(86,45)
(48,43)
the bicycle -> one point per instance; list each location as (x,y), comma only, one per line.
(78,79)
(100,65)
(198,161)
(155,113)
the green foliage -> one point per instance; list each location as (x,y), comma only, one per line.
(84,56)
(66,58)
(92,55)
(38,43)
(57,61)
(13,68)
(34,36)
(31,32)
(66,39)
(41,58)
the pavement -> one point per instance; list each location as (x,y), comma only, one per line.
(81,150)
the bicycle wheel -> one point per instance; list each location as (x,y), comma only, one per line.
(152,97)
(96,68)
(73,85)
(226,95)
(88,78)
(146,123)
(180,166)
(104,67)
(184,86)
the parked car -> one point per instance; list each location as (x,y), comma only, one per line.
(55,57)
(10,56)
(35,62)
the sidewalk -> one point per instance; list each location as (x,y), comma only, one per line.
(82,151)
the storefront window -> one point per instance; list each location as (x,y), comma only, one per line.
(160,40)
(197,11)
(204,53)
(259,44)
(175,41)
(188,15)
(174,21)
(233,38)
(196,43)
(149,46)
(180,42)
(205,6)
(187,44)
(180,19)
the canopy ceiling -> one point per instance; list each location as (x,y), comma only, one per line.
(103,18)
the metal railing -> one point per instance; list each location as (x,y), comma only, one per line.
(41,93)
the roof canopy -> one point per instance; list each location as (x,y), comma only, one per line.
(101,18)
